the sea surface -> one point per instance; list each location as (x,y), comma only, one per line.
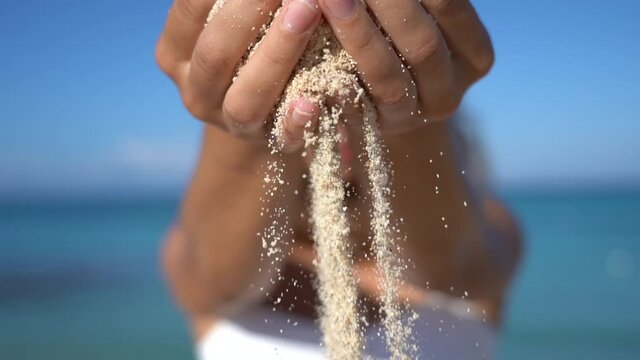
(79,279)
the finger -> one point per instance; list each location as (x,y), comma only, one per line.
(389,83)
(302,116)
(184,24)
(220,49)
(260,83)
(465,34)
(417,38)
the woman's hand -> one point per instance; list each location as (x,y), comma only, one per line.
(418,63)
(435,50)
(202,61)
(442,44)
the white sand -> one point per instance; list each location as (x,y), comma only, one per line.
(327,75)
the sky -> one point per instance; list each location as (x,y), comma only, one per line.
(84,109)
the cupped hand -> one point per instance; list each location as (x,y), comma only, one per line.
(420,60)
(416,57)
(417,64)
(202,61)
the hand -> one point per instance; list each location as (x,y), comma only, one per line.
(442,43)
(202,61)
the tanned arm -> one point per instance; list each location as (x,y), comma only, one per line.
(459,241)
(212,256)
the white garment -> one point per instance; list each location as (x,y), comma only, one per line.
(445,330)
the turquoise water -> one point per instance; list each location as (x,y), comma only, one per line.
(578,294)
(79,280)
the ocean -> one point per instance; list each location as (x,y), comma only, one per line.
(80,279)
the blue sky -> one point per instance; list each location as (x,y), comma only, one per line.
(83,108)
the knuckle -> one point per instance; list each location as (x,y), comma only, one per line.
(272,56)
(187,7)
(395,93)
(164,61)
(363,41)
(439,5)
(484,61)
(207,57)
(481,59)
(427,48)
(238,114)
(194,105)
(161,58)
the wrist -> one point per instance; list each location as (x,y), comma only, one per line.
(426,140)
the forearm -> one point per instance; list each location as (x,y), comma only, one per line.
(445,223)
(215,260)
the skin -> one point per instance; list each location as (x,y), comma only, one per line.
(437,50)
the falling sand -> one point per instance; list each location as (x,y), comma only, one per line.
(327,75)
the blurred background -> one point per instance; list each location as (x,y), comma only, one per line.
(95,149)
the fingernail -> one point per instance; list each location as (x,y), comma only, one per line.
(342,9)
(299,15)
(303,112)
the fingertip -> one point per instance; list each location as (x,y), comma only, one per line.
(300,16)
